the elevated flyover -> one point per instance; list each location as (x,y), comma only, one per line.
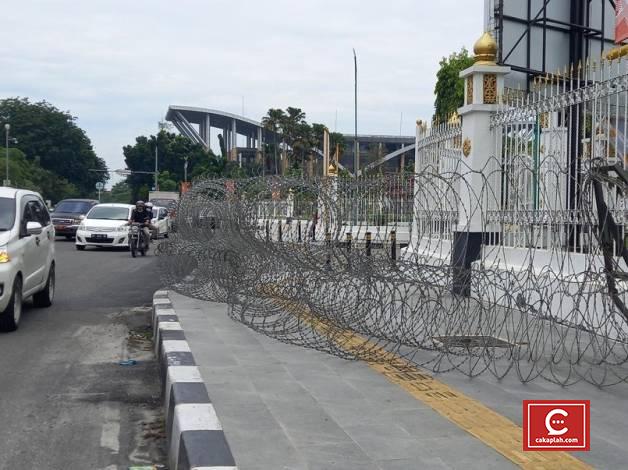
(246,137)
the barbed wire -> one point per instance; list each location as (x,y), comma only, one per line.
(323,264)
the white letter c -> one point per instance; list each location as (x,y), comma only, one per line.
(548,422)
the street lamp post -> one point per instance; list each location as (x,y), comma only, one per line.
(161,125)
(356,148)
(156,165)
(7,126)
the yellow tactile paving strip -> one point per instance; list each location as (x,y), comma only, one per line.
(490,427)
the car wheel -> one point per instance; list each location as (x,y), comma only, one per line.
(80,247)
(10,318)
(46,296)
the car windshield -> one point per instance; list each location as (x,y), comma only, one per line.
(109,213)
(7,213)
(73,207)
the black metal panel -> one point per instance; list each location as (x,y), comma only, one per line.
(536,37)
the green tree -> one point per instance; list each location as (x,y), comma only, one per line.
(120,193)
(29,175)
(166,181)
(449,89)
(273,121)
(51,140)
(172,150)
(318,131)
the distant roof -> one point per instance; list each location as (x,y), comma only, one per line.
(375,138)
(220,119)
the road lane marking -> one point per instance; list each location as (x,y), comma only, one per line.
(110,434)
(491,428)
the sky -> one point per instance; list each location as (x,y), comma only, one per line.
(118,64)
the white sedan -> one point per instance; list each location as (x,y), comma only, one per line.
(161,221)
(105,225)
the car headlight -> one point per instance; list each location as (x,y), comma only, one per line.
(4,255)
(122,228)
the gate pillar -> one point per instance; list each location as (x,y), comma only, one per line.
(483,85)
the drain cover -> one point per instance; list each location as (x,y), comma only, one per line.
(473,341)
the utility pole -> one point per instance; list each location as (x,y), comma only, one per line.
(185,169)
(161,125)
(7,126)
(156,165)
(356,148)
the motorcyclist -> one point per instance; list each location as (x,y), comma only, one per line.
(141,216)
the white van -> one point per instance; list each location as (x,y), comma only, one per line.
(27,254)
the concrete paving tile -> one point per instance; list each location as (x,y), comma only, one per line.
(269,384)
(274,371)
(328,451)
(323,388)
(225,395)
(425,424)
(268,450)
(313,419)
(391,396)
(354,412)
(236,383)
(216,356)
(384,448)
(384,431)
(314,436)
(412,464)
(256,419)
(606,456)
(464,453)
(342,464)
(311,371)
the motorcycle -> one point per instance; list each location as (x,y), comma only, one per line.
(137,240)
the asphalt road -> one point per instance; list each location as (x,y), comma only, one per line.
(65,402)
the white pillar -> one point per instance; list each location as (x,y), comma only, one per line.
(483,85)
(234,140)
(208,131)
(478,142)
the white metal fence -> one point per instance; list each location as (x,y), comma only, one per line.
(548,142)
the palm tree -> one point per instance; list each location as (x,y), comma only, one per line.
(293,127)
(293,119)
(273,121)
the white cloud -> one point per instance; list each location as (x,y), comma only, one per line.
(117,65)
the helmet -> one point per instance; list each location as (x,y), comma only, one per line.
(149,205)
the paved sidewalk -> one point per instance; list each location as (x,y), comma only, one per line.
(287,407)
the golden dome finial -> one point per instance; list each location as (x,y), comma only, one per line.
(332,170)
(485,50)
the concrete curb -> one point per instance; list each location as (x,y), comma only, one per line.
(196,440)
